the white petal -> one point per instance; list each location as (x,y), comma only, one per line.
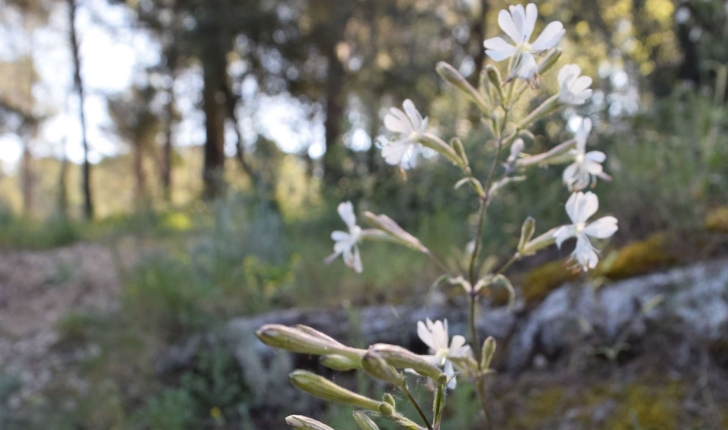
(358,267)
(423,125)
(571,206)
(592,167)
(549,37)
(395,151)
(519,16)
(530,21)
(581,84)
(602,228)
(456,344)
(424,334)
(450,372)
(331,257)
(338,236)
(439,336)
(498,49)
(564,233)
(414,115)
(588,207)
(570,173)
(527,68)
(409,158)
(346,211)
(568,73)
(584,253)
(396,122)
(582,134)
(506,23)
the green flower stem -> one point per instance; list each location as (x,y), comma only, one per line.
(508,264)
(412,400)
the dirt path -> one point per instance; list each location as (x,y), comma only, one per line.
(37,288)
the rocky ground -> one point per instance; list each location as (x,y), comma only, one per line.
(649,352)
(38,290)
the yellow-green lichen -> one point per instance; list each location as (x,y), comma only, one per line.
(541,407)
(717,220)
(647,408)
(541,280)
(639,257)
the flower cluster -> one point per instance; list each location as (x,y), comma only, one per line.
(451,358)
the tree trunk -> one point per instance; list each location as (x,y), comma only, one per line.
(232,100)
(214,71)
(140,191)
(373,132)
(339,15)
(167,149)
(27,179)
(478,33)
(62,183)
(88,207)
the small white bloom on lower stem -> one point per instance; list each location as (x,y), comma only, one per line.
(519,24)
(347,243)
(586,166)
(436,337)
(410,126)
(573,89)
(580,207)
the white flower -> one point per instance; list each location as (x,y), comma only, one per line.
(586,166)
(346,243)
(580,207)
(573,89)
(435,335)
(519,25)
(410,126)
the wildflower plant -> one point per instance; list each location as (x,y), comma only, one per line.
(457,357)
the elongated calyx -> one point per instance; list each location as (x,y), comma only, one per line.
(303,342)
(364,422)
(340,362)
(394,231)
(299,422)
(320,387)
(457,80)
(401,358)
(375,365)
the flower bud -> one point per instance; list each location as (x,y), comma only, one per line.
(402,358)
(495,80)
(546,239)
(495,122)
(299,422)
(557,155)
(313,332)
(436,144)
(322,388)
(364,422)
(457,80)
(516,150)
(548,62)
(457,145)
(527,230)
(296,340)
(386,409)
(494,76)
(340,362)
(487,352)
(394,231)
(376,366)
(389,399)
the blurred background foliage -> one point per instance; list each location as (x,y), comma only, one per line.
(238,222)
